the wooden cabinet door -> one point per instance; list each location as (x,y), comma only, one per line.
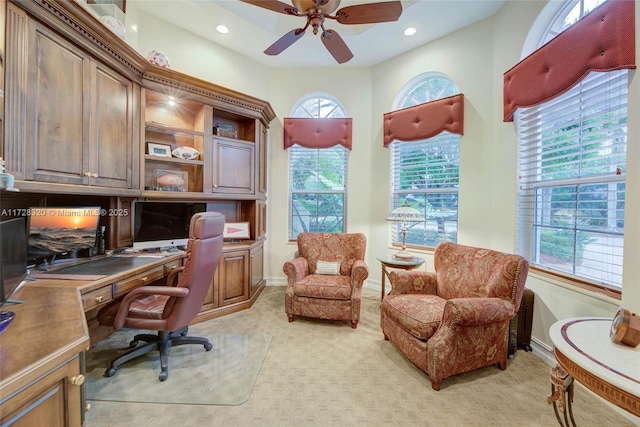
(78,118)
(257,267)
(55,400)
(233,167)
(114,161)
(211,301)
(57,109)
(233,278)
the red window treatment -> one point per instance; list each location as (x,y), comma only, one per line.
(317,133)
(603,40)
(425,120)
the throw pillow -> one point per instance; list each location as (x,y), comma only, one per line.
(328,268)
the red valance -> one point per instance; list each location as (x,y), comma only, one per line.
(317,133)
(425,120)
(603,40)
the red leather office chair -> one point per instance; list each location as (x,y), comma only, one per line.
(169,309)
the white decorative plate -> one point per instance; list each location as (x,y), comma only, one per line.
(159,58)
(185,152)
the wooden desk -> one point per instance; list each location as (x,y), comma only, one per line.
(97,293)
(41,358)
(584,352)
(403,264)
(42,351)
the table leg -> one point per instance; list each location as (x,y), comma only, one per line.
(562,396)
(384,276)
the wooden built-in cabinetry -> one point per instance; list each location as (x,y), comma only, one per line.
(81,107)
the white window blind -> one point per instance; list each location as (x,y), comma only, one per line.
(317,177)
(572,166)
(317,184)
(425,175)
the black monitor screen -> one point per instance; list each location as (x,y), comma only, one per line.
(13,252)
(163,224)
(62,230)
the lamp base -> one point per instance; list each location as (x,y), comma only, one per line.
(403,255)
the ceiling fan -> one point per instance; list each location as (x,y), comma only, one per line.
(317,10)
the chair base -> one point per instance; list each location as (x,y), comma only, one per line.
(161,342)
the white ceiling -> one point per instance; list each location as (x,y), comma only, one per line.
(253,29)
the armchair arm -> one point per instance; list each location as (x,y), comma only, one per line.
(295,269)
(125,305)
(173,276)
(413,282)
(359,272)
(477,311)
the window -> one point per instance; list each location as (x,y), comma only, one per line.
(425,173)
(317,177)
(572,165)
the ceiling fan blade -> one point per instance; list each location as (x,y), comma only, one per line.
(285,41)
(336,46)
(276,6)
(370,13)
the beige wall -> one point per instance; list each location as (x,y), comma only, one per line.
(475,59)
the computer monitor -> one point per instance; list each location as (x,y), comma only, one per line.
(62,232)
(163,224)
(13,255)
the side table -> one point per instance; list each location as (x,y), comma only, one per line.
(584,352)
(391,262)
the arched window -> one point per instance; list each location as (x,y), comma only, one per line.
(424,173)
(317,177)
(571,168)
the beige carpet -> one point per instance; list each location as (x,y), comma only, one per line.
(225,375)
(323,373)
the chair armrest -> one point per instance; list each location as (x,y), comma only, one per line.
(295,269)
(359,272)
(477,311)
(125,305)
(413,282)
(173,276)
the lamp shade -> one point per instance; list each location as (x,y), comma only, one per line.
(406,213)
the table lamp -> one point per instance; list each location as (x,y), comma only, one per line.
(404,214)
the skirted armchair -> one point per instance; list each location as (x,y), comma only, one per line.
(456,319)
(325,280)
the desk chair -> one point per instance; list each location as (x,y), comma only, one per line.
(169,309)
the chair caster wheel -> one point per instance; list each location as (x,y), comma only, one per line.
(110,372)
(208,346)
(163,376)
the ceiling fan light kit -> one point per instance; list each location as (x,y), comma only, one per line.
(316,11)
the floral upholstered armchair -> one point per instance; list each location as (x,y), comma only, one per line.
(456,319)
(325,280)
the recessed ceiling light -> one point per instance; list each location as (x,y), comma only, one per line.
(409,31)
(222,29)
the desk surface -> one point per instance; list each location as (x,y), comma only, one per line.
(102,266)
(42,336)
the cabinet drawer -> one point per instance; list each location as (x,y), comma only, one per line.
(94,298)
(172,265)
(147,277)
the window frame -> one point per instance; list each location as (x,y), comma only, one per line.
(421,235)
(297,152)
(526,240)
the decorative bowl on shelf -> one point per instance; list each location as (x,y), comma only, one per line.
(185,152)
(114,25)
(159,58)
